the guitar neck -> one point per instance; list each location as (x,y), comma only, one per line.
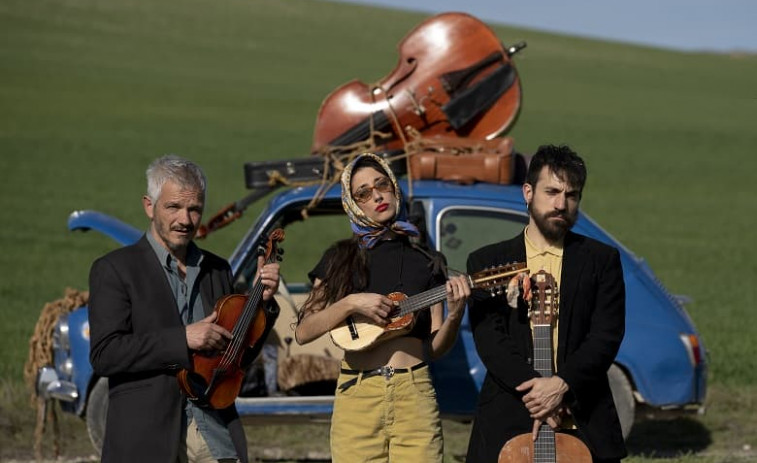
(544,447)
(543,358)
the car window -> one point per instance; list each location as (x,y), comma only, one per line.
(307,240)
(304,243)
(462,231)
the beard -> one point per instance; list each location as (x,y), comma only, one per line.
(552,230)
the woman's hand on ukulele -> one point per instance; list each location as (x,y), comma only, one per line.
(458,292)
(269,276)
(372,306)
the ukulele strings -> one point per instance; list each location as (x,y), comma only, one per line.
(427,298)
(422,300)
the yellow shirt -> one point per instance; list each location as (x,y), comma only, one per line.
(548,259)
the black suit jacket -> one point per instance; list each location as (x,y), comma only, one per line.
(591,328)
(139,342)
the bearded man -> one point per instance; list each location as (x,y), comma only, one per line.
(515,399)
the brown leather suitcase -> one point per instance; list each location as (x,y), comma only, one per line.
(463,160)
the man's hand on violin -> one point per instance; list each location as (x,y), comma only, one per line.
(206,335)
(269,276)
(375,307)
(458,292)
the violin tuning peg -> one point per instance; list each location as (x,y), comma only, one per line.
(279,258)
(280,251)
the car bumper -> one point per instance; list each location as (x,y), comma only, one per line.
(50,386)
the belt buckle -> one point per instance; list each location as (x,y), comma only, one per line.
(387,372)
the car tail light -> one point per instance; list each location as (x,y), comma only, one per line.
(691,341)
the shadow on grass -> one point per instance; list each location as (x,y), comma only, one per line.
(668,438)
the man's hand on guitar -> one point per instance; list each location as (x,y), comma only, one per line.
(553,421)
(375,307)
(269,276)
(458,292)
(206,335)
(544,395)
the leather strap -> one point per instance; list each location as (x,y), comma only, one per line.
(385,371)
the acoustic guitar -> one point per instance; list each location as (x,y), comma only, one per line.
(550,446)
(358,333)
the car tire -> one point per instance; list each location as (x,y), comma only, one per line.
(97,410)
(622,395)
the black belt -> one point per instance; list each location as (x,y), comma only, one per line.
(387,372)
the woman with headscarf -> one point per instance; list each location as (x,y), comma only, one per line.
(385,405)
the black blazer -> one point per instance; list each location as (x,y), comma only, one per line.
(138,341)
(591,328)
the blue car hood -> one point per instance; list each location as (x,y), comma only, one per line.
(119,231)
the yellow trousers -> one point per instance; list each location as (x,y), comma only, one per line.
(387,419)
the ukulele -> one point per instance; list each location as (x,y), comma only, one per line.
(357,332)
(550,446)
(216,377)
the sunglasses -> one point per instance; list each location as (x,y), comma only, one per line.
(364,194)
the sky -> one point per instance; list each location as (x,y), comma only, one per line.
(684,25)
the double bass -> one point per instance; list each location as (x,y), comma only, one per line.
(550,446)
(454,78)
(216,377)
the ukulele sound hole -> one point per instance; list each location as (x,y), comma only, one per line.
(353,328)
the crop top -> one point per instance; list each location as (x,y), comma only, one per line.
(394,266)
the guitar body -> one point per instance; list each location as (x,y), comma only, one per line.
(358,333)
(568,449)
(229,380)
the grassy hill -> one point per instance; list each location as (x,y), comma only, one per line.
(91,91)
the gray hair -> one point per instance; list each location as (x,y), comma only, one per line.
(179,170)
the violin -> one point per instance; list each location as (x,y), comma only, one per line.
(216,377)
(454,77)
(550,446)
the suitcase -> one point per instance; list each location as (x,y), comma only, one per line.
(262,174)
(463,160)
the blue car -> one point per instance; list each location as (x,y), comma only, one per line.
(660,368)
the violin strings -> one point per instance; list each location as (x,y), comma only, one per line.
(232,351)
(242,325)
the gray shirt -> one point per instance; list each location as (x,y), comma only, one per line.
(186,292)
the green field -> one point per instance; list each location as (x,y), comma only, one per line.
(91,91)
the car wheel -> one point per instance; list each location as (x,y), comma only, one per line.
(97,410)
(622,395)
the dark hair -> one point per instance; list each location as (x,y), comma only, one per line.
(562,161)
(346,272)
(366,162)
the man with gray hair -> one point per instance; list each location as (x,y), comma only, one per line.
(151,306)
